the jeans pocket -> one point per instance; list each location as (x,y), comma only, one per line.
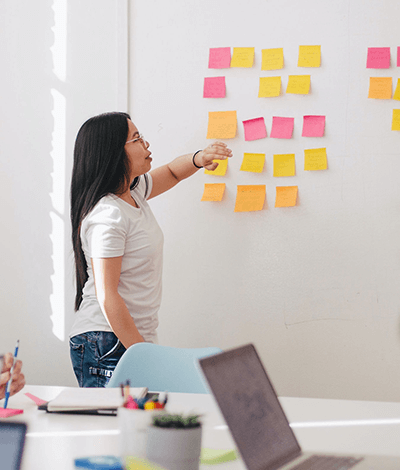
(109,347)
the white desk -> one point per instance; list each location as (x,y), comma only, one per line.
(54,440)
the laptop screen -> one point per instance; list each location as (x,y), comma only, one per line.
(12,439)
(251,408)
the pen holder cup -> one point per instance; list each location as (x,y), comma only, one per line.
(133,426)
(174,449)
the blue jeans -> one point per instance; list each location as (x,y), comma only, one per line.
(94,356)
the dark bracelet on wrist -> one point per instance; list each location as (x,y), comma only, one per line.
(198,151)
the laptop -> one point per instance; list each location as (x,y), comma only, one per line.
(257,422)
(12,441)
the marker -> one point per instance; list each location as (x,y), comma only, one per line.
(11,372)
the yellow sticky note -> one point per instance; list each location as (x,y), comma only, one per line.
(134,463)
(213,192)
(242,57)
(299,84)
(380,88)
(220,170)
(222,125)
(272,59)
(284,165)
(309,56)
(250,198)
(269,87)
(286,196)
(253,162)
(315,159)
(396,95)
(396,120)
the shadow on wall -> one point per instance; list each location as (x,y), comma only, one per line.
(32,187)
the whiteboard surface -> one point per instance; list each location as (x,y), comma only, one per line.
(315,287)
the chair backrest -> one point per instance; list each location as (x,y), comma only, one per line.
(162,368)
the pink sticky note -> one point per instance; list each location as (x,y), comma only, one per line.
(37,400)
(313,126)
(282,127)
(378,58)
(214,87)
(219,58)
(398,57)
(8,412)
(254,129)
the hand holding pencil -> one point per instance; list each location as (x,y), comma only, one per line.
(17,379)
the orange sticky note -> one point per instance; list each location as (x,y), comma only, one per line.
(222,125)
(380,88)
(250,198)
(284,165)
(286,196)
(220,170)
(315,159)
(213,192)
(299,84)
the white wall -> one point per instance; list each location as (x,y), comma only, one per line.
(61,64)
(315,287)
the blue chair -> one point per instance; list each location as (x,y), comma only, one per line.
(162,368)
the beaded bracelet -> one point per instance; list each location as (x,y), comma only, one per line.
(193,159)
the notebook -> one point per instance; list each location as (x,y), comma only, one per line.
(12,441)
(91,400)
(257,422)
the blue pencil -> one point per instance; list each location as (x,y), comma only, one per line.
(11,372)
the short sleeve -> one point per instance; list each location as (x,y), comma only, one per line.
(103,232)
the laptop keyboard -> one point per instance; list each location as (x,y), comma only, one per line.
(327,462)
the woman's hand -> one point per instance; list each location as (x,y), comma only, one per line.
(18,379)
(215,151)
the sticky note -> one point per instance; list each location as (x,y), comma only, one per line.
(299,84)
(219,58)
(315,159)
(396,120)
(253,162)
(250,198)
(37,400)
(313,126)
(284,165)
(213,192)
(214,87)
(269,87)
(272,59)
(378,58)
(282,127)
(396,95)
(254,129)
(242,57)
(398,57)
(220,170)
(9,412)
(286,196)
(216,456)
(309,56)
(380,88)
(136,463)
(222,125)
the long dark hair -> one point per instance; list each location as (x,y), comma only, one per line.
(101,167)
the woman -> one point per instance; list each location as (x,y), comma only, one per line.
(116,240)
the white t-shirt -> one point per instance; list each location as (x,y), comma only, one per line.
(115,228)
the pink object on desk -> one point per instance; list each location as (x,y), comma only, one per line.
(8,412)
(37,400)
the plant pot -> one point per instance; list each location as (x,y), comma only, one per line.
(174,449)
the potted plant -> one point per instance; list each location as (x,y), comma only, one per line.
(174,441)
